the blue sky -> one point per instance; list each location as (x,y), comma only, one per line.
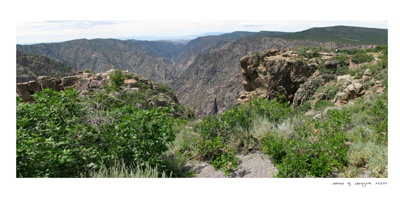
(58,30)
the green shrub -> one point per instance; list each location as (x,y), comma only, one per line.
(274,110)
(342,58)
(361,58)
(322,104)
(58,137)
(315,83)
(117,79)
(315,149)
(164,87)
(87,71)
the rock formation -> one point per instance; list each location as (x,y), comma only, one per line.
(269,75)
(86,82)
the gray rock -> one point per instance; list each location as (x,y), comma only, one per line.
(96,84)
(322,96)
(70,81)
(331,64)
(34,86)
(343,82)
(367,79)
(367,72)
(358,88)
(48,82)
(83,85)
(378,83)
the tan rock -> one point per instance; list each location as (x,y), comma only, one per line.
(131,83)
(23,91)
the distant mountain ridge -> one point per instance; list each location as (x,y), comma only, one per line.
(148,59)
(341,34)
(30,67)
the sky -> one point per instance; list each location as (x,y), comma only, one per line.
(29,32)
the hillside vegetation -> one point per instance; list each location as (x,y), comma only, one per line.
(30,66)
(341,35)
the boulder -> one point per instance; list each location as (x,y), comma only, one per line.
(378,83)
(367,79)
(23,91)
(303,94)
(83,84)
(367,72)
(96,84)
(322,96)
(130,83)
(331,64)
(358,88)
(48,82)
(351,92)
(70,81)
(343,82)
(34,87)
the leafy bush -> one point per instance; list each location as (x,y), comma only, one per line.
(87,71)
(274,110)
(164,87)
(361,58)
(315,149)
(213,144)
(342,58)
(322,104)
(58,137)
(117,79)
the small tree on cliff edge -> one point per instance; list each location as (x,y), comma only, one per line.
(117,79)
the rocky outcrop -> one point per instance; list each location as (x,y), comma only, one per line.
(367,77)
(84,83)
(76,81)
(348,90)
(269,75)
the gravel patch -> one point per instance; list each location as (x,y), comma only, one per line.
(251,165)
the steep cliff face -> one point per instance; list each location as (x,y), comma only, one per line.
(269,75)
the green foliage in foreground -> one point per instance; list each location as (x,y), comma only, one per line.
(57,136)
(315,149)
